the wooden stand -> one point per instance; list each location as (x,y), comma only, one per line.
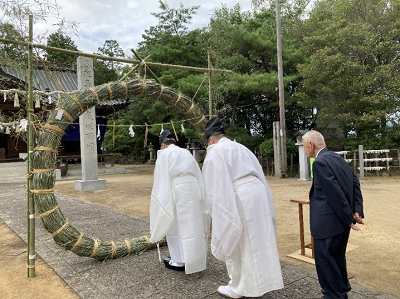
(303,201)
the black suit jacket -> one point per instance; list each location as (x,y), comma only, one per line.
(335,195)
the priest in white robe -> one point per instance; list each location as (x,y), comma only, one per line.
(178,208)
(242,214)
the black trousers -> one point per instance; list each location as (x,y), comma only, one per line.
(330,262)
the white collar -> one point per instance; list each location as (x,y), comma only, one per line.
(318,152)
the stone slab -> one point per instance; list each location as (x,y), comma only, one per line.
(81,185)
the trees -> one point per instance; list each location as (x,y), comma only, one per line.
(62,41)
(352,77)
(10,52)
(14,25)
(17,12)
(246,43)
(106,71)
(169,42)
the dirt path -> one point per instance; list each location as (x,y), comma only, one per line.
(375,264)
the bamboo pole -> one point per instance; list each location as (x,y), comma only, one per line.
(132,70)
(31,207)
(210,100)
(146,66)
(118,59)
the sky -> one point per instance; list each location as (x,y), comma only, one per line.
(125,20)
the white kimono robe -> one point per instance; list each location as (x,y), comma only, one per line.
(178,208)
(243,218)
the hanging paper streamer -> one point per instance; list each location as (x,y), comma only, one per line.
(59,114)
(145,135)
(162,128)
(16,100)
(131,133)
(37,101)
(5,96)
(98,132)
(182,128)
(23,124)
(7,130)
(176,136)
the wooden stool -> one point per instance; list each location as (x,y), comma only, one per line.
(303,201)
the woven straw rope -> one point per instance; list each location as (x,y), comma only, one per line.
(48,212)
(77,242)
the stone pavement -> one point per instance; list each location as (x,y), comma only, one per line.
(136,276)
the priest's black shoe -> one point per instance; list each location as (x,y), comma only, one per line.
(167,259)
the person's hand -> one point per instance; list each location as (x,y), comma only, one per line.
(357,219)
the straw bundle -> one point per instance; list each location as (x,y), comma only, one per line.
(44,156)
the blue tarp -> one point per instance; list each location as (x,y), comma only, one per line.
(72,131)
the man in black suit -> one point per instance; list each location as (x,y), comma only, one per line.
(336,205)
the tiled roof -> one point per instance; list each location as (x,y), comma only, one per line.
(44,80)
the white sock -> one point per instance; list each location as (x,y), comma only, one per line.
(178,264)
(230,292)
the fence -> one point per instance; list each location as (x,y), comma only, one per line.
(375,162)
(268,165)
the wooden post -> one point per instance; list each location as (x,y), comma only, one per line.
(387,163)
(210,103)
(31,205)
(302,243)
(291,165)
(361,160)
(282,120)
(398,158)
(277,149)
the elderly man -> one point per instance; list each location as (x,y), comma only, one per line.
(336,205)
(178,208)
(243,216)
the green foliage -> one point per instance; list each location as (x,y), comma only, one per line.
(246,43)
(107,71)
(10,52)
(118,140)
(391,139)
(111,48)
(352,76)
(241,135)
(62,41)
(267,147)
(17,13)
(170,42)
(103,74)
(172,22)
(137,114)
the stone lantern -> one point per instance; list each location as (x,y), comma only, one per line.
(195,148)
(152,152)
